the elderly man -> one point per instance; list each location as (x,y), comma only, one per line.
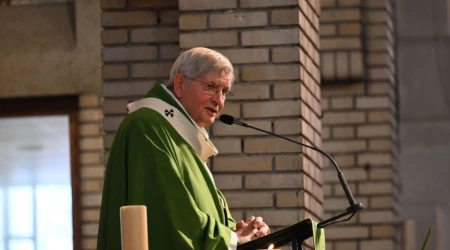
(158,159)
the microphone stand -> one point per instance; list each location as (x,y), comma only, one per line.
(351,210)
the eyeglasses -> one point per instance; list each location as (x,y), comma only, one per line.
(212,89)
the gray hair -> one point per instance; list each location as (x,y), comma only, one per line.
(195,62)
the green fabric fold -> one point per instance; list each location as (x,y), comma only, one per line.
(318,236)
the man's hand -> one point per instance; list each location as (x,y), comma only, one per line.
(252,228)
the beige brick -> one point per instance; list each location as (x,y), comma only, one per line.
(192,22)
(287,126)
(339,191)
(382,174)
(378,30)
(90,129)
(114,71)
(345,160)
(169,51)
(233,109)
(113,4)
(91,200)
(349,29)
(382,231)
(228,146)
(238,20)
(90,158)
(379,73)
(89,243)
(111,123)
(114,37)
(380,116)
(342,102)
(92,172)
(238,56)
(369,188)
(346,245)
(374,159)
(90,215)
(270,145)
(221,129)
(289,162)
(285,17)
(385,202)
(376,216)
(334,15)
(384,244)
(270,37)
(169,17)
(377,16)
(373,130)
(372,102)
(153,35)
(267,3)
(270,72)
(356,65)
(90,186)
(339,90)
(340,43)
(89,229)
(130,18)
(380,145)
(377,88)
(328,66)
(328,3)
(287,199)
(335,118)
(242,164)
(138,53)
(249,200)
(336,146)
(89,100)
(209,39)
(273,181)
(154,4)
(335,203)
(115,106)
(326,133)
(89,115)
(348,232)
(250,92)
(286,54)
(228,182)
(91,143)
(286,90)
(344,132)
(207,5)
(271,109)
(327,30)
(140,70)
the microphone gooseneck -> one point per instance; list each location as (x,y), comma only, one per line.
(354,207)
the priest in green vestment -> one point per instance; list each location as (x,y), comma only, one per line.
(158,159)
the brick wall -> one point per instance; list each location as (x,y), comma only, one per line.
(91,166)
(359,123)
(274,47)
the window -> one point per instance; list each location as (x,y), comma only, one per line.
(38,205)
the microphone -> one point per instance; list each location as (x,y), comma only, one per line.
(351,210)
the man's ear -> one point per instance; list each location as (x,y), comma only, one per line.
(179,85)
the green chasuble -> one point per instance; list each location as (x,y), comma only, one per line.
(152,164)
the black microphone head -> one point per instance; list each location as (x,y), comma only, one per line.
(227,119)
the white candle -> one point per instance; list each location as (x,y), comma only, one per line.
(133,226)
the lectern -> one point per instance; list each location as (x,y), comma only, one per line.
(296,234)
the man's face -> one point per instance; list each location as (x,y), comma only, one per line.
(199,98)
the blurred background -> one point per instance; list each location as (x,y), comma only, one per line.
(366,80)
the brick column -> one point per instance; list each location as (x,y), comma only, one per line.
(359,124)
(274,47)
